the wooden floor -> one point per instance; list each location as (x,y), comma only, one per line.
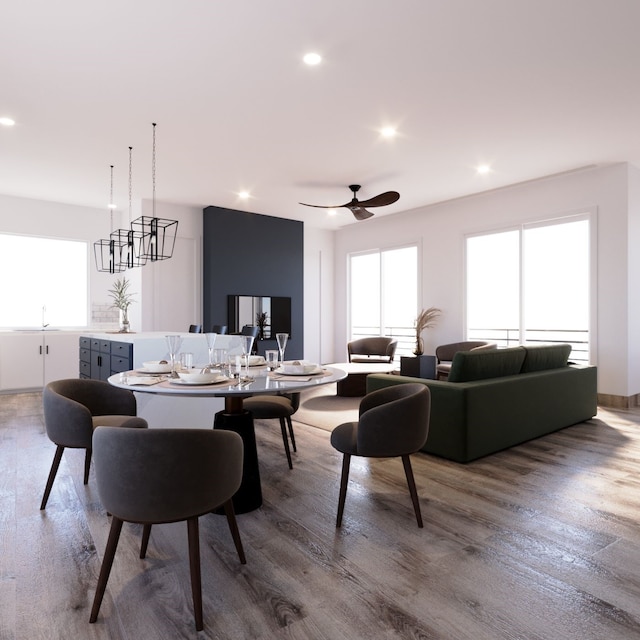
(541,542)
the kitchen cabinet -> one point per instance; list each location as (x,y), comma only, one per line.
(101,357)
(31,359)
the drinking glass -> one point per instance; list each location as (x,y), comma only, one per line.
(247,344)
(211,341)
(272,359)
(282,343)
(173,343)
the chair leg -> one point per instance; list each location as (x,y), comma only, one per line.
(293,438)
(146,533)
(344,481)
(105,570)
(194,565)
(52,475)
(285,440)
(412,488)
(87,465)
(233,527)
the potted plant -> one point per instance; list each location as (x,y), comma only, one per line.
(425,320)
(262,321)
(122,299)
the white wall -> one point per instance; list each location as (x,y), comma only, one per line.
(441,230)
(319,320)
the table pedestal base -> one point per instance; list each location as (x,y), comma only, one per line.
(249,495)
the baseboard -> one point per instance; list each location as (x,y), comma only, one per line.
(618,402)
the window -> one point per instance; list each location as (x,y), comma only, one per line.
(384,295)
(531,284)
(44,282)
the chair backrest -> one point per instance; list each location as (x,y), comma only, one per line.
(394,421)
(381,346)
(445,352)
(69,405)
(250,330)
(165,475)
(195,328)
(220,329)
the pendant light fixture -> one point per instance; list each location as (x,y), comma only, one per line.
(107,252)
(128,240)
(158,234)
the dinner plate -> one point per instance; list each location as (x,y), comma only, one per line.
(218,380)
(146,372)
(315,372)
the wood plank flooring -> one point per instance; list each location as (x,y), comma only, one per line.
(540,542)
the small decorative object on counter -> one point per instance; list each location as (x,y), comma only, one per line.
(122,300)
(425,320)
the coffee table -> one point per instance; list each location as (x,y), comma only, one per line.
(355,383)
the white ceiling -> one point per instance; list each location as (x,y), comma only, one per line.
(531,87)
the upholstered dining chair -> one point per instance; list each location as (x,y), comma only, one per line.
(445,353)
(73,408)
(281,406)
(373,349)
(220,329)
(393,422)
(158,476)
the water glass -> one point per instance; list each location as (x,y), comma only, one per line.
(271,356)
(186,361)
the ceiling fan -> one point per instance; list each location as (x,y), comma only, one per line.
(357,207)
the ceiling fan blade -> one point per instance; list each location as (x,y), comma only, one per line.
(359,212)
(388,197)
(323,206)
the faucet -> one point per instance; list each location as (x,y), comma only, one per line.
(44,325)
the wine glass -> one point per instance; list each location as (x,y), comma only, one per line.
(282,343)
(247,345)
(173,343)
(211,341)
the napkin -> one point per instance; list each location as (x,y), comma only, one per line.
(145,381)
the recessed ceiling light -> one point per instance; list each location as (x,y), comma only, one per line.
(332,212)
(7,122)
(312,59)
(483,168)
(244,195)
(388,132)
(112,206)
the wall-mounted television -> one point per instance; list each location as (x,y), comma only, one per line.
(245,310)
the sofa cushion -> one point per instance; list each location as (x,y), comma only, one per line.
(541,357)
(482,364)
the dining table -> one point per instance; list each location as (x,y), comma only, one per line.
(234,417)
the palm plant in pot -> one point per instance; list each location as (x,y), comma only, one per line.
(425,320)
(122,300)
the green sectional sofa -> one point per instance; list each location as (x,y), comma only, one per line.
(499,398)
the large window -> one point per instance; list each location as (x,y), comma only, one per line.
(531,284)
(384,295)
(44,282)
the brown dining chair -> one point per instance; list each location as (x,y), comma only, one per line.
(73,408)
(393,422)
(159,476)
(281,406)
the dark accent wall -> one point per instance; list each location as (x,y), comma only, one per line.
(253,255)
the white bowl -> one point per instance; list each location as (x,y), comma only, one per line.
(298,368)
(155,366)
(195,377)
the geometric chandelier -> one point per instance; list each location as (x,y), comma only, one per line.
(107,252)
(157,235)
